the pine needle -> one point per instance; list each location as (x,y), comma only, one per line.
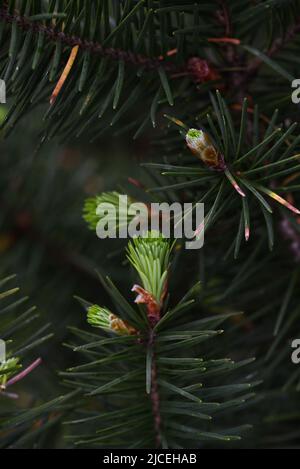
(64,74)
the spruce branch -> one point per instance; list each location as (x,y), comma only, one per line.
(146,361)
(30,71)
(229,159)
(151,371)
(19,341)
(148,63)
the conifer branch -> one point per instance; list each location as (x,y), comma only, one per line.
(95,48)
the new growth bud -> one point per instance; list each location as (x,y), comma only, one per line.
(106,320)
(7,369)
(201,146)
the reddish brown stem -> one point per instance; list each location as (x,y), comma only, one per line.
(254,66)
(24,373)
(154,397)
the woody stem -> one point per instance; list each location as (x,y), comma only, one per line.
(154,396)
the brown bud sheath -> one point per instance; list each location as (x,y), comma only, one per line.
(200,145)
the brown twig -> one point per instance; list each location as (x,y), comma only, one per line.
(233,59)
(277,45)
(241,79)
(197,69)
(148,63)
(154,396)
(94,47)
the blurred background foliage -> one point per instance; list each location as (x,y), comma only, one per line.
(43,236)
(44,239)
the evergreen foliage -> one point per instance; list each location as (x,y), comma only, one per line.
(149,365)
(20,426)
(209,84)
